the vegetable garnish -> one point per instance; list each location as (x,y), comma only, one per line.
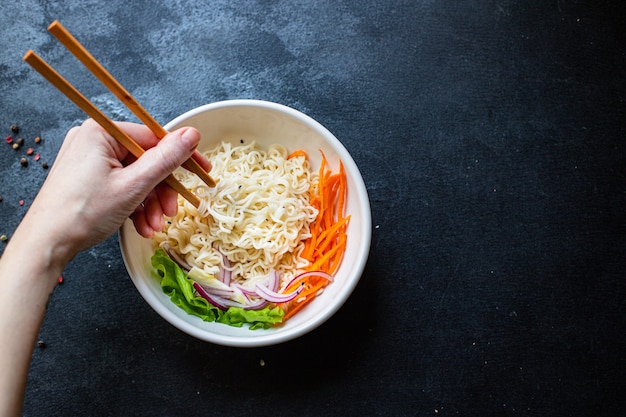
(176,284)
(225,296)
(327,244)
(299,152)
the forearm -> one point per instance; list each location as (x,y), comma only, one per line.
(29,268)
(94,185)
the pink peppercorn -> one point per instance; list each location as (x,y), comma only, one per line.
(9,139)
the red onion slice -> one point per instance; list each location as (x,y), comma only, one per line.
(225,273)
(258,298)
(311,273)
(256,305)
(245,290)
(213,300)
(275,297)
(217,292)
(274,281)
(174,256)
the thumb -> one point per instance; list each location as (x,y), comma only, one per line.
(167,155)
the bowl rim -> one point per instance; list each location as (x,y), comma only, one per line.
(358,264)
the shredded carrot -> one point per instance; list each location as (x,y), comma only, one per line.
(329,235)
(341,204)
(325,248)
(312,285)
(299,152)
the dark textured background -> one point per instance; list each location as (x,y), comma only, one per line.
(490,135)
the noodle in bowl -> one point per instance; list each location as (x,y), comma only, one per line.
(259,127)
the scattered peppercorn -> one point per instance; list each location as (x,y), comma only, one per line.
(1,199)
(9,139)
(24,162)
(29,151)
(41,344)
(21,202)
(36,157)
(44,165)
(16,146)
(60,280)
(37,139)
(20,141)
(15,128)
(4,238)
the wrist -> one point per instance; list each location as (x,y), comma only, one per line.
(40,239)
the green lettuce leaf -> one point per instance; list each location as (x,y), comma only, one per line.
(179,288)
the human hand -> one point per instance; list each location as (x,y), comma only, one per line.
(95,184)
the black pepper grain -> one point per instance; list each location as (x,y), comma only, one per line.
(44,165)
(15,128)
(20,141)
(41,344)
(24,162)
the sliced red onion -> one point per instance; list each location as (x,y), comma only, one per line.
(225,272)
(275,297)
(174,256)
(214,300)
(223,303)
(256,305)
(225,293)
(311,273)
(274,281)
(245,290)
(258,298)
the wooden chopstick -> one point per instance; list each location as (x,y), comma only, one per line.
(88,107)
(81,53)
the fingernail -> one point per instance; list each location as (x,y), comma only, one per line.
(190,138)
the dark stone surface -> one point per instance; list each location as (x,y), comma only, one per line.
(490,135)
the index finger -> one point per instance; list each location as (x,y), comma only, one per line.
(140,134)
(146,139)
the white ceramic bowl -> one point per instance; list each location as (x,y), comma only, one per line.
(266,123)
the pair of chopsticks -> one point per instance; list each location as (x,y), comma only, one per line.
(64,36)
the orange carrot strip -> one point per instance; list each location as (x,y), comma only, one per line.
(342,191)
(329,191)
(294,309)
(325,238)
(309,245)
(309,293)
(322,260)
(299,152)
(338,255)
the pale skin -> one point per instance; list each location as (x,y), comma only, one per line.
(92,188)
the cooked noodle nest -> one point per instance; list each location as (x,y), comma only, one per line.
(258,215)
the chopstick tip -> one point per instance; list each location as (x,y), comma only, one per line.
(28,55)
(54,24)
